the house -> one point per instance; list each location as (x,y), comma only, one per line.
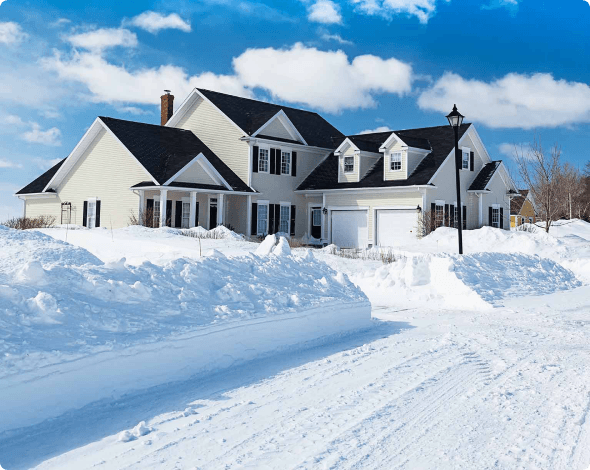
(522,209)
(264,168)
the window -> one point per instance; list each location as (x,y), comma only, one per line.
(186,214)
(284,220)
(439,216)
(316,217)
(263,160)
(91,214)
(530,220)
(456,219)
(348,164)
(156,212)
(496,217)
(466,159)
(262,219)
(66,212)
(285,163)
(396,161)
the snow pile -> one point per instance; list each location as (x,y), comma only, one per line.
(479,281)
(68,321)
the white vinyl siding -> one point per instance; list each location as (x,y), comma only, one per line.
(105,170)
(219,134)
(276,129)
(195,174)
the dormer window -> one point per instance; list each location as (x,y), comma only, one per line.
(395,161)
(348,164)
(465,159)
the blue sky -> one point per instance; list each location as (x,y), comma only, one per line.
(516,68)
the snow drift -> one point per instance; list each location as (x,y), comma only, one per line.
(69,322)
(477,281)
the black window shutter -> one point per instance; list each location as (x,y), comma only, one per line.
(451,216)
(255,159)
(432,216)
(292,221)
(271,218)
(447,215)
(277,217)
(178,215)
(97,219)
(472,161)
(490,214)
(169,213)
(501,217)
(254,219)
(294,164)
(85,213)
(272,161)
(278,162)
(197,214)
(464,218)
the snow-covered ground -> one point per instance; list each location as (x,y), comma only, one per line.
(473,362)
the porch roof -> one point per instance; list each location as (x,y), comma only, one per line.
(180,186)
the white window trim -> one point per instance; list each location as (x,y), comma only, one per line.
(267,148)
(468,150)
(286,204)
(91,199)
(496,207)
(290,152)
(401,154)
(185,200)
(258,204)
(344,157)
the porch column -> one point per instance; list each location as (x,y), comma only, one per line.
(248,216)
(220,209)
(325,233)
(480,208)
(191,222)
(163,216)
(141,212)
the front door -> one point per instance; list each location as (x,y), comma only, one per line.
(316,222)
(212,213)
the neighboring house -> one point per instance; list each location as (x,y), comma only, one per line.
(522,209)
(264,168)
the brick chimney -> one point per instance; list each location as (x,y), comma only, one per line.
(167,107)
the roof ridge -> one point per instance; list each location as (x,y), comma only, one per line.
(143,123)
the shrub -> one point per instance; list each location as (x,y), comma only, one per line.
(145,219)
(425,223)
(25,223)
(526,228)
(385,255)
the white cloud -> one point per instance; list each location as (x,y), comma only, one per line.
(13,120)
(378,129)
(11,33)
(336,37)
(50,113)
(325,11)
(109,83)
(422,9)
(322,79)
(133,110)
(510,150)
(8,164)
(514,101)
(153,22)
(44,164)
(2,1)
(104,38)
(49,137)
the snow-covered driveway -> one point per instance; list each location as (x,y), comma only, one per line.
(422,389)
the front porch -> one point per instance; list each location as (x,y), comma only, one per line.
(188,207)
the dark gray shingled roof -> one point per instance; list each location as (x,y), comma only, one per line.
(372,142)
(251,115)
(440,140)
(484,176)
(37,185)
(174,184)
(164,151)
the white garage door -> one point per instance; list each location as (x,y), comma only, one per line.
(396,227)
(349,229)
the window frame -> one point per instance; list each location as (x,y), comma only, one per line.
(438,204)
(313,214)
(496,215)
(68,207)
(396,161)
(267,150)
(344,164)
(287,206)
(156,218)
(91,203)
(258,205)
(286,163)
(185,201)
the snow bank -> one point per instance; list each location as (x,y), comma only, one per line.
(74,329)
(477,281)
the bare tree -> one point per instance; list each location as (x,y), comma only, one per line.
(540,171)
(572,186)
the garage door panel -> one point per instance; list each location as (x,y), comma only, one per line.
(396,228)
(349,228)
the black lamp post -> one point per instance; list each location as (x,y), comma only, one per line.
(455,120)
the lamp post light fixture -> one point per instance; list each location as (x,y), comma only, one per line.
(455,120)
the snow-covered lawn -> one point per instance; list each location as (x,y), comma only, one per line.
(474,362)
